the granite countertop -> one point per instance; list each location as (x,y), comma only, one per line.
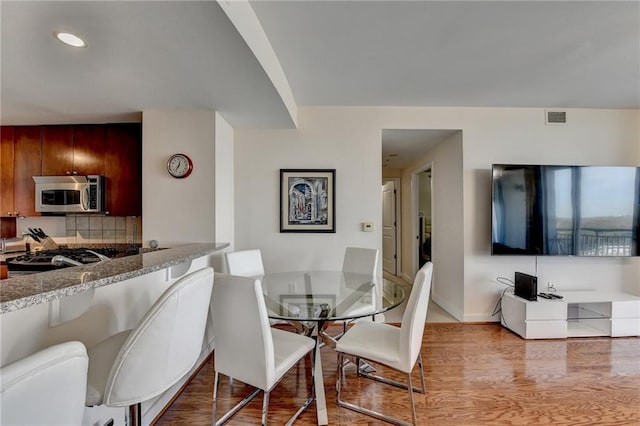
(29,290)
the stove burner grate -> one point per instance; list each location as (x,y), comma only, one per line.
(41,260)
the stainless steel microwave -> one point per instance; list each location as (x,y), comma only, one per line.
(70,194)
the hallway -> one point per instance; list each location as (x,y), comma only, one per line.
(434,313)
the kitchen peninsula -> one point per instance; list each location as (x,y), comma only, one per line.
(90,302)
(28,290)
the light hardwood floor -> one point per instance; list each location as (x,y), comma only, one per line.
(476,374)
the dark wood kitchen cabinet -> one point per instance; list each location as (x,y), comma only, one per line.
(8,227)
(111,150)
(6,171)
(123,168)
(73,150)
(89,149)
(20,160)
(27,155)
(57,150)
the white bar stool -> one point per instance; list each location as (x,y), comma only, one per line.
(45,389)
(136,365)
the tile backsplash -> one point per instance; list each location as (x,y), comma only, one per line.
(97,229)
(86,228)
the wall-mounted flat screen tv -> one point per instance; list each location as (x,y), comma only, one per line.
(565,210)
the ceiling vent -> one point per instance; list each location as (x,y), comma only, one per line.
(555,117)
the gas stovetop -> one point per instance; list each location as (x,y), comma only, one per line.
(43,260)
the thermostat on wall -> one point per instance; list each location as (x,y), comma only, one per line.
(367,226)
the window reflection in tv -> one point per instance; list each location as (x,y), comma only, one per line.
(565,210)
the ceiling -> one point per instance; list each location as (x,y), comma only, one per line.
(401,147)
(188,55)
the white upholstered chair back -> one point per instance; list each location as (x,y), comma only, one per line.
(245,263)
(166,343)
(244,344)
(414,317)
(360,260)
(46,388)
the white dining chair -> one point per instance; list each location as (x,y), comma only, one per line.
(245,263)
(395,347)
(359,260)
(136,365)
(45,389)
(248,349)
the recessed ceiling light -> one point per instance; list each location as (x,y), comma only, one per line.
(70,39)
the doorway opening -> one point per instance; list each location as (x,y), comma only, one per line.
(405,152)
(390,225)
(424,214)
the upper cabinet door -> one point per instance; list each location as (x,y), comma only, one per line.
(88,149)
(57,150)
(123,168)
(73,150)
(27,154)
(6,171)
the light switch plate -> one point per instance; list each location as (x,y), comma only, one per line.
(367,226)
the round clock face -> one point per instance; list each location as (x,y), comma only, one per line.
(179,165)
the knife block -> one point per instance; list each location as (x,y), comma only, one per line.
(48,244)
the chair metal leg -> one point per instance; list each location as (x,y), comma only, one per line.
(363,410)
(396,383)
(311,394)
(265,401)
(339,378)
(424,386)
(216,379)
(235,409)
(390,382)
(265,408)
(312,363)
(413,405)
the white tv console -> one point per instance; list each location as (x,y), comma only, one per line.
(578,314)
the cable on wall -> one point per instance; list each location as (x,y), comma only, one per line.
(510,286)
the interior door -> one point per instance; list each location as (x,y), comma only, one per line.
(389,248)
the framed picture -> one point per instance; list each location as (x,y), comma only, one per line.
(307,306)
(307,200)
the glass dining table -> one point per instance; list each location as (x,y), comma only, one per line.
(312,300)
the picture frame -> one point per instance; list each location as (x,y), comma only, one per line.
(306,305)
(307,200)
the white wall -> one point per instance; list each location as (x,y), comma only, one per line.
(178,211)
(224,186)
(348,139)
(325,140)
(594,137)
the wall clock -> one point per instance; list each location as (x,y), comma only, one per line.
(179,166)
